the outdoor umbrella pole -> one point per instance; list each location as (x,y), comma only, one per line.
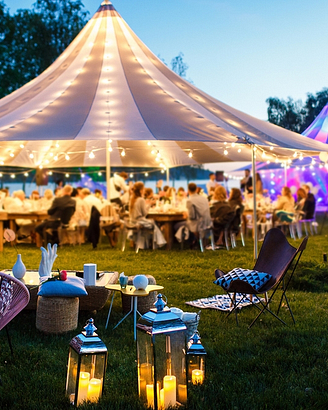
(108,168)
(254,202)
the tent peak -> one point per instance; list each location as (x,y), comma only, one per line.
(106,5)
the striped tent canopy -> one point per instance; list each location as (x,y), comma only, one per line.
(109,92)
(318,130)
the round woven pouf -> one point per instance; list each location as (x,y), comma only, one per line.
(57,314)
(145,303)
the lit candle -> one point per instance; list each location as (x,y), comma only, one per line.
(170,391)
(94,389)
(83,387)
(150,395)
(182,393)
(197,376)
(161,399)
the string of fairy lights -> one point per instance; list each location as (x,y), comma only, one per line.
(54,152)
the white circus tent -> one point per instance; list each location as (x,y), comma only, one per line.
(108,93)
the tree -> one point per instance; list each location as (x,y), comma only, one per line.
(313,105)
(179,66)
(294,115)
(32,39)
(287,114)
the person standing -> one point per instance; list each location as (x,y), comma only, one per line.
(246,182)
(211,183)
(117,185)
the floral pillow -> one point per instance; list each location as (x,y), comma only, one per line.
(254,278)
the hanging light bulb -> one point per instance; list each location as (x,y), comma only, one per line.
(99,174)
(0,175)
(233,144)
(295,154)
(67,175)
(22,146)
(149,143)
(12,154)
(31,156)
(57,145)
(1,163)
(146,174)
(190,154)
(110,149)
(123,153)
(46,161)
(313,161)
(162,171)
(225,152)
(91,155)
(56,157)
(158,154)
(239,150)
(51,154)
(131,175)
(67,157)
(41,166)
(153,152)
(271,148)
(82,175)
(12,176)
(25,174)
(50,173)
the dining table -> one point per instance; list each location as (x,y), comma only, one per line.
(166,221)
(37,216)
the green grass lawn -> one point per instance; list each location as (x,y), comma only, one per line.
(271,366)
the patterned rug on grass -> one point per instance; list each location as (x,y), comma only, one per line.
(222,302)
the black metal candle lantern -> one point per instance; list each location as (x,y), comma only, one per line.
(161,345)
(86,366)
(196,355)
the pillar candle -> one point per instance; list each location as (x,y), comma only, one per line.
(170,392)
(182,393)
(161,399)
(197,376)
(94,389)
(83,387)
(150,395)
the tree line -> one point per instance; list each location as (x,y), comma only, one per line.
(296,115)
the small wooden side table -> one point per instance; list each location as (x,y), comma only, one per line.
(134,293)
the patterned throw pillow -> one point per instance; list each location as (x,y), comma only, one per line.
(254,278)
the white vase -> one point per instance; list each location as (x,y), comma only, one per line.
(140,282)
(19,269)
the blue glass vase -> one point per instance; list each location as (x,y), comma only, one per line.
(19,269)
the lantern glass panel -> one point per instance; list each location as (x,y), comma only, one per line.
(73,359)
(145,363)
(197,363)
(170,369)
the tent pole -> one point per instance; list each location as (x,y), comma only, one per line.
(167,176)
(254,202)
(285,169)
(107,168)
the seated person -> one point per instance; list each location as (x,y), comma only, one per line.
(46,202)
(308,210)
(57,214)
(21,204)
(236,203)
(222,213)
(138,211)
(198,214)
(285,207)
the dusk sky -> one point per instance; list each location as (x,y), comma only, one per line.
(239,51)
